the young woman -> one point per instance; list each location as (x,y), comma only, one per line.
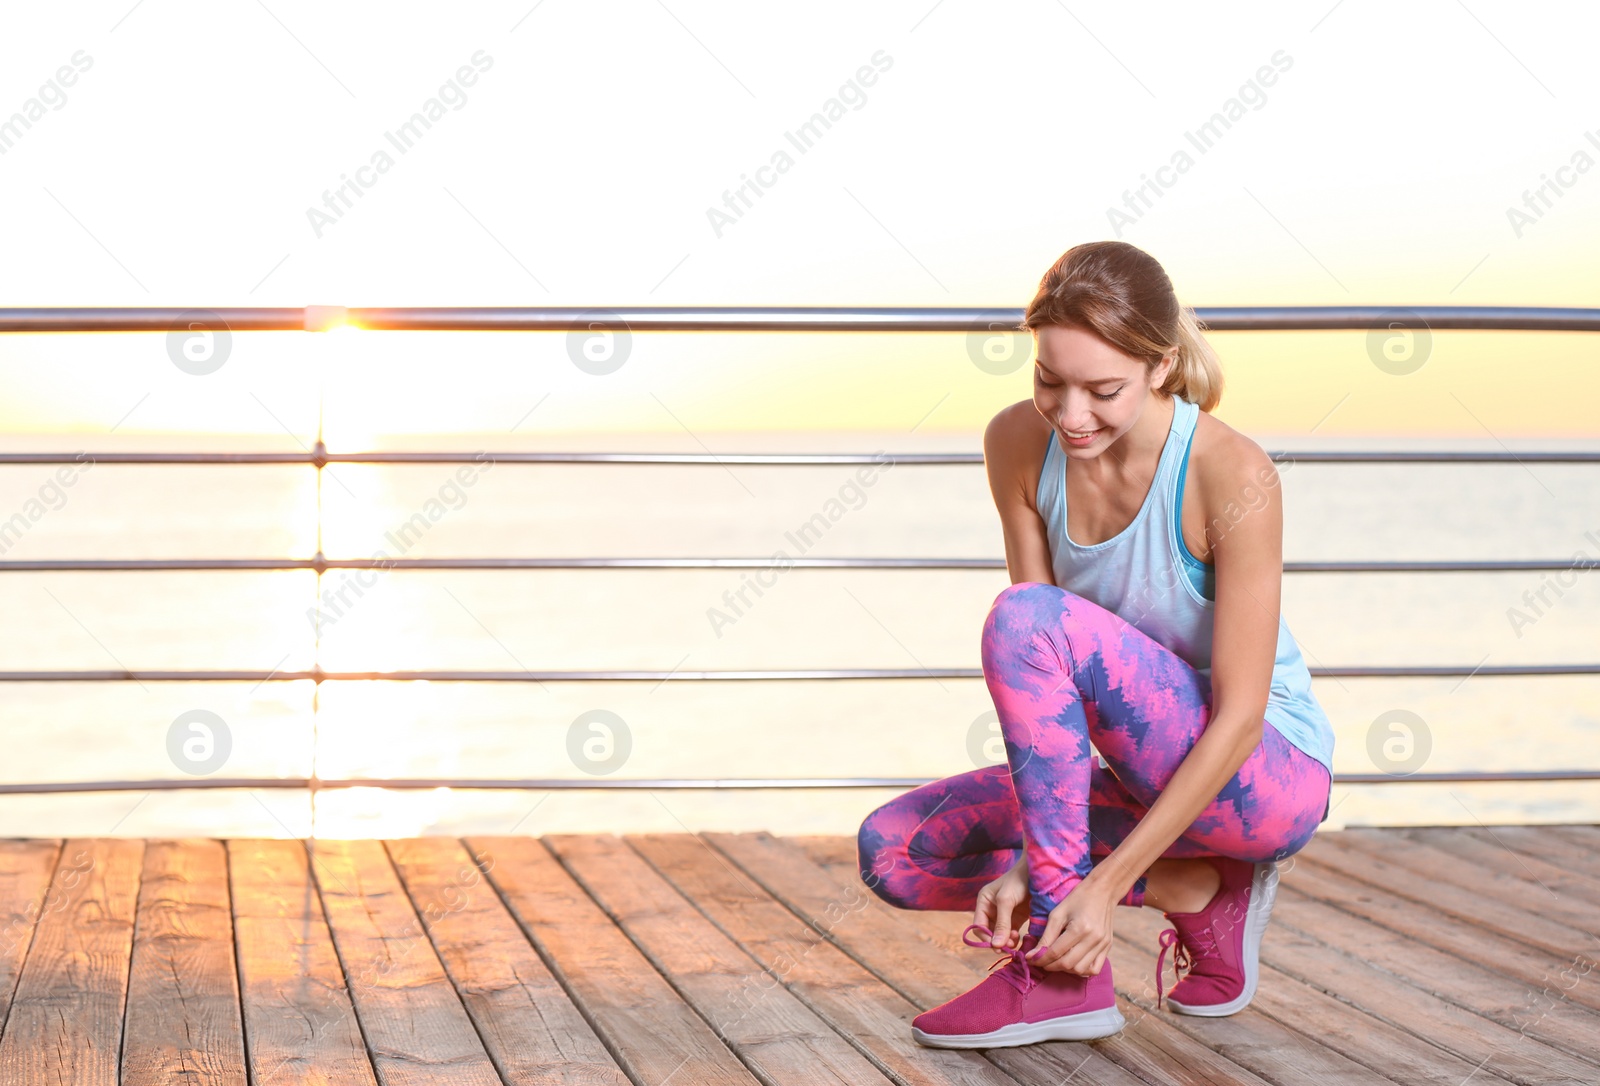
(1144,541)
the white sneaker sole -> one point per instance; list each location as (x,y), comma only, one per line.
(1263,889)
(1072,1027)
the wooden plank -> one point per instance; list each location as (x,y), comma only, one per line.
(299,1022)
(416,1028)
(1298,945)
(182,1021)
(1492,870)
(1585,836)
(1429,926)
(1543,841)
(1569,829)
(1376,1044)
(25,869)
(1398,882)
(921,973)
(1504,859)
(651,1032)
(529,1026)
(778,1037)
(66,1018)
(853,1001)
(1373,1040)
(1348,914)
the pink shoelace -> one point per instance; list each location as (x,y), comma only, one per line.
(1021,979)
(1184,960)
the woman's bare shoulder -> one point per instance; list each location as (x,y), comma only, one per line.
(1019,423)
(1225,460)
(1014,446)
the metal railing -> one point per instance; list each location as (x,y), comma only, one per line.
(972,321)
(771,319)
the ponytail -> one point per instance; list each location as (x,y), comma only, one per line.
(1196,375)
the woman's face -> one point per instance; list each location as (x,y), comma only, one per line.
(1089,391)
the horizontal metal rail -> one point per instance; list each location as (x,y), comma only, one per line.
(320,565)
(776,319)
(1442,671)
(316,459)
(551,784)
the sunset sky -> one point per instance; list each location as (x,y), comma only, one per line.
(272,155)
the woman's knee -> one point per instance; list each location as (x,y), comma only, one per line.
(1042,626)
(1030,606)
(1022,612)
(909,848)
(878,855)
(1029,599)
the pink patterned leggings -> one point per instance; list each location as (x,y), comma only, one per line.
(1064,672)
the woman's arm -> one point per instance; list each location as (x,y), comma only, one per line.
(1007,460)
(1006,457)
(1246,536)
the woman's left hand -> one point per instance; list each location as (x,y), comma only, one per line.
(1077,935)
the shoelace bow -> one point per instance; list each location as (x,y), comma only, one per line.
(1010,957)
(1184,959)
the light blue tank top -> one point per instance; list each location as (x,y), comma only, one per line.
(1146,575)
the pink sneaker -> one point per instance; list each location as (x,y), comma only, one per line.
(1218,946)
(1020,1005)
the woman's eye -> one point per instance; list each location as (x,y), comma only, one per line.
(1038,378)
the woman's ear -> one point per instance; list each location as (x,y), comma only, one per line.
(1163,369)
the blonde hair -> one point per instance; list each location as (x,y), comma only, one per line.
(1121,294)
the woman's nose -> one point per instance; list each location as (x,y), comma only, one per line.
(1076,423)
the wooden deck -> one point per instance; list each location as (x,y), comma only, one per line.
(1394,956)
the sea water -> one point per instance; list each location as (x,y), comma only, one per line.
(684,622)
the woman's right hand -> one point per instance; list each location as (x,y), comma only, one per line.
(1003,905)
